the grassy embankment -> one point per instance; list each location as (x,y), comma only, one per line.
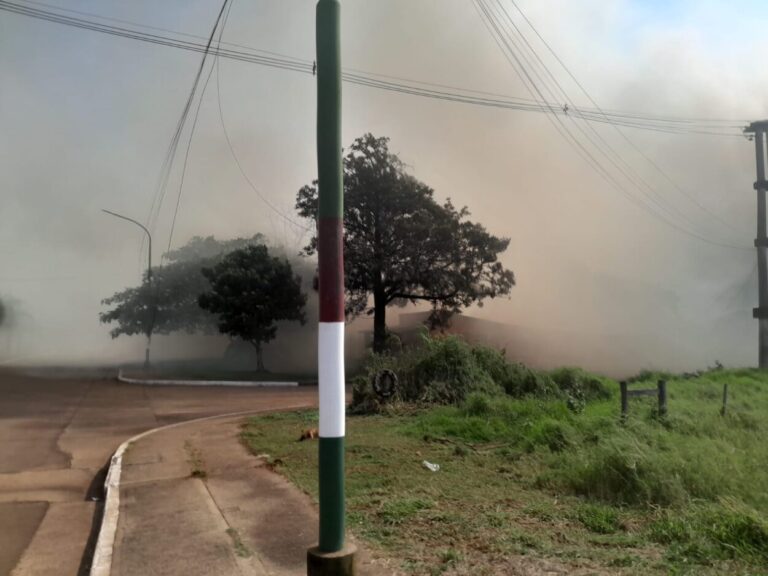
(550,481)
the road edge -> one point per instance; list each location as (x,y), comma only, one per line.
(234,383)
(101,564)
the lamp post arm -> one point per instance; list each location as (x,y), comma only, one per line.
(149,237)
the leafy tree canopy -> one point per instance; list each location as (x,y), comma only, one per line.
(169,303)
(200,248)
(251,291)
(401,245)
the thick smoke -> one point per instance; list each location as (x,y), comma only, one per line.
(87,119)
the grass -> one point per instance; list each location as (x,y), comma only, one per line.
(195,460)
(213,370)
(681,494)
(240,548)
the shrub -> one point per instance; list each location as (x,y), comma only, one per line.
(478,405)
(554,434)
(597,518)
(439,371)
(522,381)
(445,372)
(579,387)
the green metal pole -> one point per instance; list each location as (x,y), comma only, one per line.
(331,277)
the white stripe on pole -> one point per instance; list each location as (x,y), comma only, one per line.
(331,379)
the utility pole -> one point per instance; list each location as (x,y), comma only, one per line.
(153,304)
(758,129)
(331,556)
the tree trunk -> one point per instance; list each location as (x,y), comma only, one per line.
(259,357)
(379,323)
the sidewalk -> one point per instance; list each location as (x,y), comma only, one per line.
(194,502)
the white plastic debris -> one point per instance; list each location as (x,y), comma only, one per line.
(430,466)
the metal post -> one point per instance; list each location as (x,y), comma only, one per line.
(761,242)
(153,305)
(331,556)
(662,386)
(724,409)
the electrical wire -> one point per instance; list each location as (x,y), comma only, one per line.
(180,127)
(663,124)
(504,42)
(539,103)
(584,91)
(595,139)
(232,148)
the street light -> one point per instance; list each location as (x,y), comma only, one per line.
(149,279)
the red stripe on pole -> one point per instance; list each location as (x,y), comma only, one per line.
(330,255)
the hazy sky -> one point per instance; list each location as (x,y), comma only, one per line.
(86,119)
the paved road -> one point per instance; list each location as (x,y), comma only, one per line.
(56,435)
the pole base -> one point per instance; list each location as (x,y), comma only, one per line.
(341,563)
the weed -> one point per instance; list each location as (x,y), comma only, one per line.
(450,557)
(597,518)
(395,512)
(240,548)
(195,459)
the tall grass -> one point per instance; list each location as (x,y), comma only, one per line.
(680,494)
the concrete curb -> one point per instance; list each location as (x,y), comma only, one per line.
(235,383)
(101,564)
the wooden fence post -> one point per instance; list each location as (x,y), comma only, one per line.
(725,399)
(662,385)
(624,399)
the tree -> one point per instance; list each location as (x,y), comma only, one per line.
(250,291)
(401,245)
(170,303)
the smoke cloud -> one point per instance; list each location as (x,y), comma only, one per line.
(86,120)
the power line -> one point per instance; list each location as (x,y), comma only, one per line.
(581,87)
(503,41)
(217,64)
(664,124)
(234,154)
(171,154)
(588,131)
(150,27)
(592,161)
(540,104)
(194,121)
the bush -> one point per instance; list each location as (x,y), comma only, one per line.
(579,387)
(522,381)
(439,371)
(447,370)
(598,519)
(554,434)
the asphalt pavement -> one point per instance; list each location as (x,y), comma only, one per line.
(56,437)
